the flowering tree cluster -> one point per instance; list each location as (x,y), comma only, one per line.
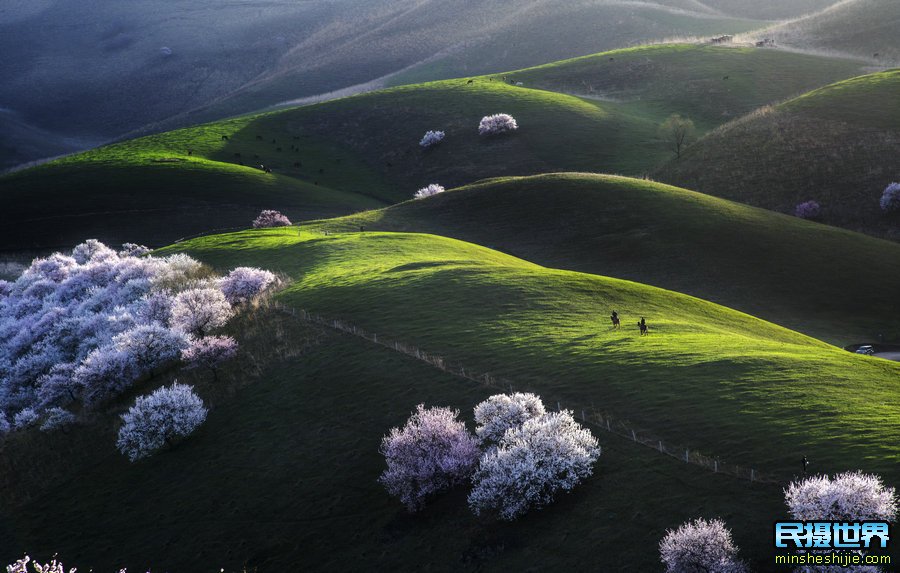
(497,124)
(531,455)
(271,218)
(159,419)
(21,566)
(210,352)
(429,191)
(808,210)
(431,139)
(244,284)
(851,496)
(431,453)
(890,199)
(700,546)
(531,464)
(84,327)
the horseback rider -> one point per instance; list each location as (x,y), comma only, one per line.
(615,319)
(642,325)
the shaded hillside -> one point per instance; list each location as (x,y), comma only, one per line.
(837,145)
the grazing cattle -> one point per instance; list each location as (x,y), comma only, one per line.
(726,77)
(224,138)
(268,170)
(877,55)
(258,138)
(470,82)
(278,149)
(297,164)
(612,59)
(190,151)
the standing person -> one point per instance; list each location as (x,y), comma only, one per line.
(805,463)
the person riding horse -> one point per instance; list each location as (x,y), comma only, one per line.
(643,326)
(615,319)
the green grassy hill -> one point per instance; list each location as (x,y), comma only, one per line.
(707,377)
(830,283)
(283,477)
(837,145)
(367,146)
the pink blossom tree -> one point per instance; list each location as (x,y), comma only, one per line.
(210,352)
(808,210)
(271,218)
(532,463)
(700,546)
(431,453)
(158,420)
(243,284)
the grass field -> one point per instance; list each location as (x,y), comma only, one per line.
(366,147)
(778,268)
(708,377)
(283,476)
(836,145)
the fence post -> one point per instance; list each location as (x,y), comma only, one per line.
(633,436)
(717,466)
(660,446)
(583,419)
(752,472)
(687,456)
(608,429)
(558,408)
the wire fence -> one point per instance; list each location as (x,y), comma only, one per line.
(588,415)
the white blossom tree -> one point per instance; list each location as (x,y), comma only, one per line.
(850,496)
(432,138)
(497,124)
(501,412)
(890,199)
(54,566)
(431,453)
(428,191)
(700,546)
(271,218)
(532,463)
(159,419)
(151,345)
(57,418)
(244,284)
(198,311)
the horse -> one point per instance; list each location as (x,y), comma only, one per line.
(615,321)
(644,328)
(224,138)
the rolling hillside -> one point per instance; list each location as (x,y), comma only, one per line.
(866,28)
(707,377)
(837,145)
(184,64)
(367,145)
(829,283)
(283,476)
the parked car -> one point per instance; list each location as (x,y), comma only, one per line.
(866,349)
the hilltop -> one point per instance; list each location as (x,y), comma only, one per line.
(367,146)
(830,283)
(836,145)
